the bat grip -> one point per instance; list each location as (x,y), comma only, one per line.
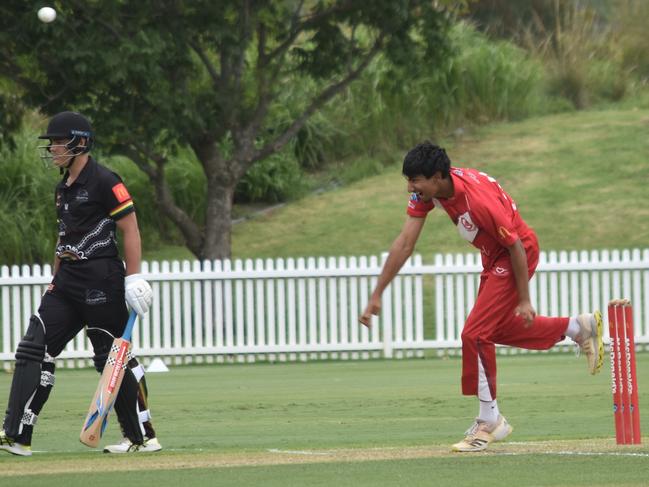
(128,331)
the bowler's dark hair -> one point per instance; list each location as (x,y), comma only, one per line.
(426,159)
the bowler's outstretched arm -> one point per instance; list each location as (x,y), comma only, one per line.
(401,249)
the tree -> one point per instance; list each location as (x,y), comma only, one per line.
(154,76)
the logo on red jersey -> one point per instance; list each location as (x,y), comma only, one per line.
(121,193)
(465,226)
(504,233)
(467,223)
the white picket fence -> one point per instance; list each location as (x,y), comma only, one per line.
(297,309)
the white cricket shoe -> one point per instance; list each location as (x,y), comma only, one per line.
(590,341)
(151,445)
(8,444)
(127,446)
(481,433)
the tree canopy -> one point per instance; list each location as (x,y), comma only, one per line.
(155,76)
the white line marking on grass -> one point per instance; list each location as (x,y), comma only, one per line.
(66,451)
(612,453)
(297,452)
(526,443)
(576,453)
(113,454)
(184,449)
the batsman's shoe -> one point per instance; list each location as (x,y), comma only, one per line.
(151,445)
(127,446)
(590,341)
(481,433)
(14,448)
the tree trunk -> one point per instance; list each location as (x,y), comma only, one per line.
(218,221)
(190,231)
(164,198)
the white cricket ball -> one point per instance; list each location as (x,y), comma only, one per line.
(47,14)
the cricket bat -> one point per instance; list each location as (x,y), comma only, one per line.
(108,387)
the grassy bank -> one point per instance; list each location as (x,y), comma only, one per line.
(579,179)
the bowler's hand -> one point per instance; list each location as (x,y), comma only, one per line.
(526,311)
(373,308)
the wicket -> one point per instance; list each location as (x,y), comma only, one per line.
(626,410)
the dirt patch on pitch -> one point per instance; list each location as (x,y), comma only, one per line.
(174,460)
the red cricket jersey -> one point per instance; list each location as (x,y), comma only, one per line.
(484,214)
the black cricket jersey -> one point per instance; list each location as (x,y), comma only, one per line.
(87,211)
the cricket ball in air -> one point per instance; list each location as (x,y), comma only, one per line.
(47,14)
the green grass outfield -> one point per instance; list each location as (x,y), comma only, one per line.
(344,423)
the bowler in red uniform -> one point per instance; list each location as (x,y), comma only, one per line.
(487,217)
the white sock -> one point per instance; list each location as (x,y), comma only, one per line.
(573,328)
(489,411)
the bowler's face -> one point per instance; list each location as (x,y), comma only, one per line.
(426,188)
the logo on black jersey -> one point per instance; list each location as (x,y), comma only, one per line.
(82,195)
(96,296)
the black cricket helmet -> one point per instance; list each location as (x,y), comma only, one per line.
(70,126)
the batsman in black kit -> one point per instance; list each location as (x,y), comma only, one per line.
(90,289)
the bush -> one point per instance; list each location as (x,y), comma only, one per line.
(495,80)
(630,23)
(388,108)
(582,55)
(276,178)
(606,80)
(27,212)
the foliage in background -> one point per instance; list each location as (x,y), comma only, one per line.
(567,172)
(581,56)
(11,112)
(392,108)
(276,178)
(592,51)
(387,110)
(157,231)
(27,213)
(564,58)
(157,78)
(630,20)
(506,18)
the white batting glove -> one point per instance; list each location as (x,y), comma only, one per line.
(138,293)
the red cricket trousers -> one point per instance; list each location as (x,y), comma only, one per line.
(492,321)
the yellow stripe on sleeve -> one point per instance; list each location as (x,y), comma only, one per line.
(121,208)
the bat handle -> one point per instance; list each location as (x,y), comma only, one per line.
(128,331)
